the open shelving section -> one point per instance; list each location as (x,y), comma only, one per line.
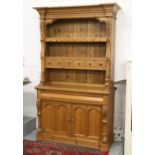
(76,52)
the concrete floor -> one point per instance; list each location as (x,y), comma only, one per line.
(29,124)
(116,148)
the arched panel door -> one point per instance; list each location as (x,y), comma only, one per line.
(48,116)
(62,115)
(94,122)
(79,121)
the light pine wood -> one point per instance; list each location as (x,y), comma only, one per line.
(75,40)
(75,97)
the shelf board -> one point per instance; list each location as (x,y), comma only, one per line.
(103,39)
(77,58)
(77,68)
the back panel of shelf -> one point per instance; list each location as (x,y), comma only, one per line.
(76,28)
(83,50)
(76,76)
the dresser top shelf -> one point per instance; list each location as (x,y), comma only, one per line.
(80,6)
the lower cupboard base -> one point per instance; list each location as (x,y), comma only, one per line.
(42,136)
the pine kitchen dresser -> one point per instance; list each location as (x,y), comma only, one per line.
(75,97)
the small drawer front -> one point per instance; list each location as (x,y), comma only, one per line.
(50,63)
(100,64)
(54,63)
(58,63)
(68,63)
(90,64)
(78,64)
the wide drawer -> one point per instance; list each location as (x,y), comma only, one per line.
(72,98)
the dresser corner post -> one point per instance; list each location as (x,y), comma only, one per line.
(38,104)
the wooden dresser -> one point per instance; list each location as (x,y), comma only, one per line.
(75,98)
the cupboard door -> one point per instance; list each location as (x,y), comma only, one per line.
(48,116)
(94,122)
(79,120)
(62,115)
(55,116)
(86,121)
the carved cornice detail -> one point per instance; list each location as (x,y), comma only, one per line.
(107,23)
(103,10)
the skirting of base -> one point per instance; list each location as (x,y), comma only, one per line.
(41,136)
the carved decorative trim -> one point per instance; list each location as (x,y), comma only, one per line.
(46,104)
(38,106)
(41,13)
(42,76)
(42,29)
(104,138)
(107,22)
(104,121)
(108,29)
(39,115)
(104,114)
(108,64)
(49,21)
(102,20)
